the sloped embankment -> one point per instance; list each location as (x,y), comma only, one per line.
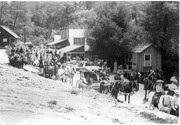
(28,99)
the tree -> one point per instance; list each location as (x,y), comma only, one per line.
(162,24)
(4,12)
(1,10)
(107,30)
(112,26)
(17,12)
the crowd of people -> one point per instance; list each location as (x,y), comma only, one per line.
(51,62)
(166,96)
(58,65)
(169,101)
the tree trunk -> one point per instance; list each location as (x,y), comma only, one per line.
(15,22)
(136,21)
(1,13)
(165,31)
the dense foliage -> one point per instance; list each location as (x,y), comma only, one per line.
(112,26)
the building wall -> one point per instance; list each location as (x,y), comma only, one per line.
(75,33)
(70,34)
(4,34)
(138,58)
(134,61)
(64,33)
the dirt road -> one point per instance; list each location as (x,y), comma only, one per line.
(28,99)
(3,56)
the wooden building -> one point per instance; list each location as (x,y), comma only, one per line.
(146,57)
(72,42)
(7,36)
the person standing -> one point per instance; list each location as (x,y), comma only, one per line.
(76,77)
(175,103)
(115,67)
(164,104)
(41,65)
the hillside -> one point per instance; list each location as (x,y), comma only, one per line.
(28,99)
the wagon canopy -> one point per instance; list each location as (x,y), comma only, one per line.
(91,68)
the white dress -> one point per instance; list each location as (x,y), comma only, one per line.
(115,67)
(76,77)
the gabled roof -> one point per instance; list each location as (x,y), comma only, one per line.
(70,48)
(10,31)
(56,42)
(141,48)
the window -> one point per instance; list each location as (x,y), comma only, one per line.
(11,40)
(4,39)
(79,41)
(147,59)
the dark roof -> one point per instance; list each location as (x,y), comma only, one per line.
(70,48)
(141,48)
(10,31)
(56,42)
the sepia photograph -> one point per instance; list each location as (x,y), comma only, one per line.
(89,62)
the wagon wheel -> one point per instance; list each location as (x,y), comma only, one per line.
(106,90)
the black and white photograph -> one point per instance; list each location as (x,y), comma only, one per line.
(89,62)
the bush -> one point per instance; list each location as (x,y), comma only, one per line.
(169,68)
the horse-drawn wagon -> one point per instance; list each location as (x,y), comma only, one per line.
(88,75)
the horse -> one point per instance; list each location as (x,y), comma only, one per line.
(125,86)
(164,104)
(155,94)
(114,89)
(49,70)
(105,87)
(148,86)
(154,99)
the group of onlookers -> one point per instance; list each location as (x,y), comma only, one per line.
(58,65)
(166,96)
(169,101)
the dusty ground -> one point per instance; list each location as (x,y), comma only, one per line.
(3,56)
(28,99)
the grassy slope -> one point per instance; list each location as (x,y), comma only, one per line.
(28,99)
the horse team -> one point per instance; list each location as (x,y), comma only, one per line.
(120,84)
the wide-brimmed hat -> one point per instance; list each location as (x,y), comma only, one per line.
(166,92)
(176,91)
(120,66)
(119,72)
(173,79)
(160,81)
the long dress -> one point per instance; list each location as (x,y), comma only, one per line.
(164,103)
(115,67)
(76,77)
